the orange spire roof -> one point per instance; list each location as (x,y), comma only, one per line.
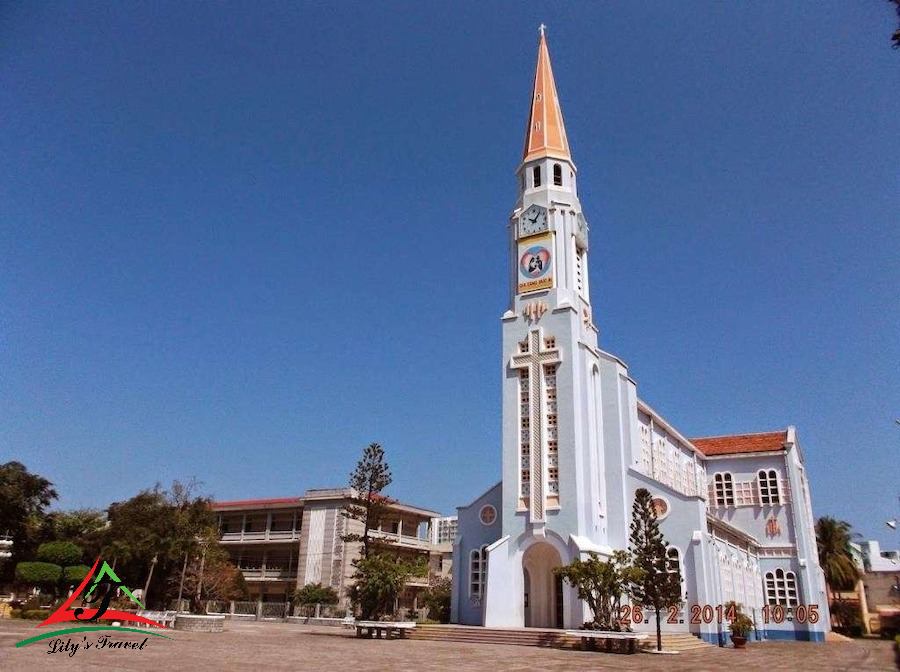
(546,134)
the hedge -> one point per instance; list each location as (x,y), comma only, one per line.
(61,553)
(76,572)
(38,572)
(36,614)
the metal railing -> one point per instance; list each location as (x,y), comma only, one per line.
(262,535)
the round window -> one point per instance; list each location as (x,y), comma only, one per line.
(661,507)
(488,514)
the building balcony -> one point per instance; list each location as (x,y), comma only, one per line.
(257,537)
(269,574)
(402,540)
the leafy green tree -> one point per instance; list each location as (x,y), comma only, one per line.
(367,504)
(77,524)
(150,536)
(437,598)
(378,581)
(23,498)
(655,586)
(602,584)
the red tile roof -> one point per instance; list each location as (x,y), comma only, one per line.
(741,443)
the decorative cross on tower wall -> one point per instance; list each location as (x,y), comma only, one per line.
(533,360)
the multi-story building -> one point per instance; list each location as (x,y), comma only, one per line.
(876,560)
(443,530)
(443,536)
(283,544)
(877,593)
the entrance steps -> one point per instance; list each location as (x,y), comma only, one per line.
(475,634)
(677,641)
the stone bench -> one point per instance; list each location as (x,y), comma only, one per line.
(375,629)
(589,639)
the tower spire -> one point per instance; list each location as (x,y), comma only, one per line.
(545,135)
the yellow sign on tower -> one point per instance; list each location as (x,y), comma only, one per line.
(535,268)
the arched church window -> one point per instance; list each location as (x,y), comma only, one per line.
(477,571)
(673,560)
(781,588)
(557,175)
(536,176)
(767,482)
(724,489)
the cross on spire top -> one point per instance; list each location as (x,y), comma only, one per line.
(542,28)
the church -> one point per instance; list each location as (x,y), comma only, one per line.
(577,442)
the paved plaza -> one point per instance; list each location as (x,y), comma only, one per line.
(285,646)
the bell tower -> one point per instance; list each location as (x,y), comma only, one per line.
(551,408)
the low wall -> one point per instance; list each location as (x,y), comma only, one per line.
(199,623)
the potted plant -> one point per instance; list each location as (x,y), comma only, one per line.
(740,626)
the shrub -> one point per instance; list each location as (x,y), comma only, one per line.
(38,572)
(36,614)
(15,613)
(316,593)
(845,618)
(122,603)
(437,599)
(60,553)
(76,573)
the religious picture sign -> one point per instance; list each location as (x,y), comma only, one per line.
(535,264)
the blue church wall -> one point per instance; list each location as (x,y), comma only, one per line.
(787,526)
(472,534)
(616,445)
(794,623)
(682,527)
(752,518)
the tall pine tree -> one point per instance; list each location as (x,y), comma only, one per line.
(367,504)
(654,586)
(380,576)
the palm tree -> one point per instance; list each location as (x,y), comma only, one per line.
(833,539)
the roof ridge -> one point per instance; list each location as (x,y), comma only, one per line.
(735,436)
(260,500)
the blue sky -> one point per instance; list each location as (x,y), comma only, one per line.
(240,241)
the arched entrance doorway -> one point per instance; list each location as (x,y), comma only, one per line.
(543,590)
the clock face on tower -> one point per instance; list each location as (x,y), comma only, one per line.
(532,221)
